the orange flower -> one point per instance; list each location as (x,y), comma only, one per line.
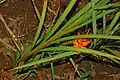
(82,43)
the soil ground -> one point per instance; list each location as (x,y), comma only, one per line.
(21,19)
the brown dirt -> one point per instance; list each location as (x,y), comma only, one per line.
(21,18)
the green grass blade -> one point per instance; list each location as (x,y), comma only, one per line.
(36,10)
(17,55)
(94,24)
(41,37)
(49,42)
(58,56)
(104,22)
(70,38)
(87,14)
(39,27)
(115,29)
(54,19)
(12,57)
(73,63)
(115,19)
(111,51)
(84,74)
(49,29)
(40,23)
(111,46)
(37,57)
(102,2)
(116,61)
(113,5)
(61,19)
(24,75)
(52,70)
(75,17)
(66,54)
(84,50)
(90,20)
(99,36)
(83,18)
